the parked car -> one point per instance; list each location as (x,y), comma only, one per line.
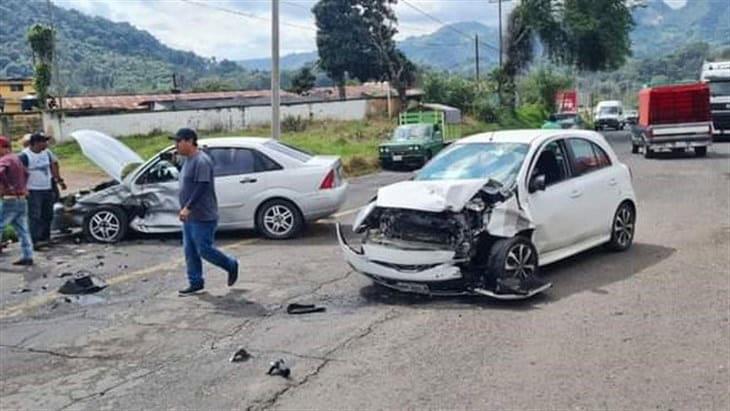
(260,183)
(675,118)
(609,114)
(486,213)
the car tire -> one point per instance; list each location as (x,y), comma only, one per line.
(623,227)
(279,219)
(634,149)
(513,252)
(701,151)
(106,224)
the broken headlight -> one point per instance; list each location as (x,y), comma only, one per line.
(476,205)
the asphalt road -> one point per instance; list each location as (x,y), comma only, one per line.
(645,329)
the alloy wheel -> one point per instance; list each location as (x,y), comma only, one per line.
(104,226)
(520,262)
(279,220)
(623,226)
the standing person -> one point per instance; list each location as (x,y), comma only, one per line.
(13,203)
(199,213)
(43,182)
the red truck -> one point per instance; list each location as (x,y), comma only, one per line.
(675,118)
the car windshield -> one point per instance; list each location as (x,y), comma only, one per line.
(498,161)
(404,133)
(608,110)
(720,88)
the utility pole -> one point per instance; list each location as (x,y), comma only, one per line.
(499,7)
(56,72)
(476,53)
(275,120)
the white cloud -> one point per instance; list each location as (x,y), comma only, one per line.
(209,32)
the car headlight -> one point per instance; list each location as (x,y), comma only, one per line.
(415,148)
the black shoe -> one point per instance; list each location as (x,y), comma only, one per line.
(192,289)
(24,261)
(233,275)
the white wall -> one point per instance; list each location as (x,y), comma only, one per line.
(226,119)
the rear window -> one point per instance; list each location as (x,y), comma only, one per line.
(289,151)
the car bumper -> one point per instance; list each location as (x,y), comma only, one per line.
(402,158)
(324,203)
(65,218)
(607,122)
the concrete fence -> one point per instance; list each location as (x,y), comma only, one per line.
(219,119)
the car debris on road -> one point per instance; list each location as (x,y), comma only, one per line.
(83,283)
(304,309)
(279,367)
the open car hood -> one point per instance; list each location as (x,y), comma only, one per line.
(434,196)
(108,153)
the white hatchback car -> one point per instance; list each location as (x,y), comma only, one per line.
(260,183)
(483,215)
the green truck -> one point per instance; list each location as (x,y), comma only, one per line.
(420,135)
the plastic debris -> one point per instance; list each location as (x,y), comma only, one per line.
(279,367)
(240,356)
(304,309)
(83,283)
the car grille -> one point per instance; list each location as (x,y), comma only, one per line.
(418,226)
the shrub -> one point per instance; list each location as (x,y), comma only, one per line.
(293,124)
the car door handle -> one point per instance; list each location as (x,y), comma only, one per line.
(248,180)
(612,182)
(576,193)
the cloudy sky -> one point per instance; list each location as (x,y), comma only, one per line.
(201,26)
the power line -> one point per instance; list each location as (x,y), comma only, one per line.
(244,14)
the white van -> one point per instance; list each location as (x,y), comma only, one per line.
(609,113)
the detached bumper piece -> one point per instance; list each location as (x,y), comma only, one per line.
(437,273)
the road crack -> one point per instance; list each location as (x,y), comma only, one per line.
(326,359)
(103,392)
(60,354)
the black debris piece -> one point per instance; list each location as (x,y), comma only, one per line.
(100,257)
(82,283)
(279,367)
(66,274)
(304,309)
(240,356)
(20,291)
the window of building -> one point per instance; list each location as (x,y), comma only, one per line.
(16,87)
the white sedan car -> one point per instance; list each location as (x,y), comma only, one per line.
(487,212)
(260,183)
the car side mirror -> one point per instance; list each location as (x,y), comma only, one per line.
(167,156)
(537,183)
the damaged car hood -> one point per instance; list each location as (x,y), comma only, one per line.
(106,152)
(433,195)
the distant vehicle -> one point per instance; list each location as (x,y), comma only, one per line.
(260,183)
(609,113)
(717,76)
(420,136)
(673,117)
(631,117)
(491,209)
(570,120)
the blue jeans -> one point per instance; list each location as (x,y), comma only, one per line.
(198,238)
(14,212)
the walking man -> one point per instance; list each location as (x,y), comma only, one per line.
(44,174)
(13,203)
(199,213)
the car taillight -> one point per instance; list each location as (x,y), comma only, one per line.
(649,133)
(328,182)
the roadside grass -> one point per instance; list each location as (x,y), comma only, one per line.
(356,142)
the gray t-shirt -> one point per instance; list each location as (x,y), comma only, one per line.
(197,188)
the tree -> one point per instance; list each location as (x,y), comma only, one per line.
(303,81)
(588,35)
(356,38)
(41,42)
(540,87)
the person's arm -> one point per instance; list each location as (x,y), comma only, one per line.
(56,171)
(3,179)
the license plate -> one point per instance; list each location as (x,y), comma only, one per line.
(397,158)
(413,288)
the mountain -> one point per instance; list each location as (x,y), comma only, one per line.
(448,48)
(97,55)
(661,29)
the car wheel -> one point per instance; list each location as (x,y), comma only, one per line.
(622,229)
(279,219)
(700,151)
(648,152)
(634,148)
(513,261)
(107,224)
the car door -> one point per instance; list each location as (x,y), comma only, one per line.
(157,189)
(555,211)
(594,178)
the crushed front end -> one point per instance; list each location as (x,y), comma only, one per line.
(432,252)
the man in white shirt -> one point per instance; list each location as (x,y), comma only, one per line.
(43,172)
